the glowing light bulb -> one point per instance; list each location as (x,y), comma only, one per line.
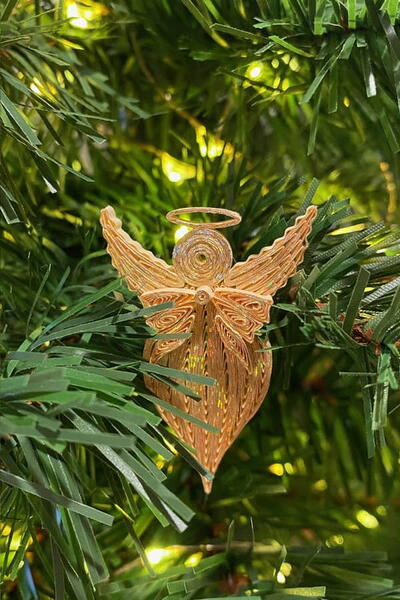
(367,520)
(320,485)
(280,577)
(286,568)
(176,170)
(72,10)
(255,70)
(76,19)
(174,176)
(334,540)
(210,145)
(276,469)
(180,232)
(155,555)
(35,88)
(41,89)
(193,559)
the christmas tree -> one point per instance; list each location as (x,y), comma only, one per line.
(264,108)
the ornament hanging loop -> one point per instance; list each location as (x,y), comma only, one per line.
(234,217)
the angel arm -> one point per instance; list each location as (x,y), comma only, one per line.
(142,271)
(264,273)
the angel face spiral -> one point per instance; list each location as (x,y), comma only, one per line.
(202,256)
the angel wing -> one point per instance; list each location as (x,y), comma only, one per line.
(264,273)
(175,320)
(142,270)
(240,314)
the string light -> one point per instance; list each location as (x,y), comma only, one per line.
(280,577)
(156,555)
(276,469)
(81,15)
(75,14)
(42,90)
(176,170)
(367,520)
(334,540)
(180,232)
(286,568)
(210,145)
(194,559)
(320,485)
(34,87)
(255,70)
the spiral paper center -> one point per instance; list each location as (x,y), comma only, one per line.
(202,256)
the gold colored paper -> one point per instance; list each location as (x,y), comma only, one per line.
(222,307)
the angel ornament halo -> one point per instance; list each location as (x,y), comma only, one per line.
(222,307)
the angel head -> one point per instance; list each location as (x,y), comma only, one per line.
(203,256)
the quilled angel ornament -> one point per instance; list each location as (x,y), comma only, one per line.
(222,307)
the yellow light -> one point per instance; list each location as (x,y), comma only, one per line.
(75,16)
(276,82)
(72,10)
(276,469)
(367,520)
(80,22)
(320,485)
(194,559)
(69,76)
(42,90)
(6,530)
(335,540)
(180,232)
(156,555)
(289,468)
(176,170)
(286,568)
(275,63)
(215,149)
(35,86)
(255,70)
(381,510)
(346,101)
(280,577)
(174,176)
(210,145)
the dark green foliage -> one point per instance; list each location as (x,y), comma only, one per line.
(91,479)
